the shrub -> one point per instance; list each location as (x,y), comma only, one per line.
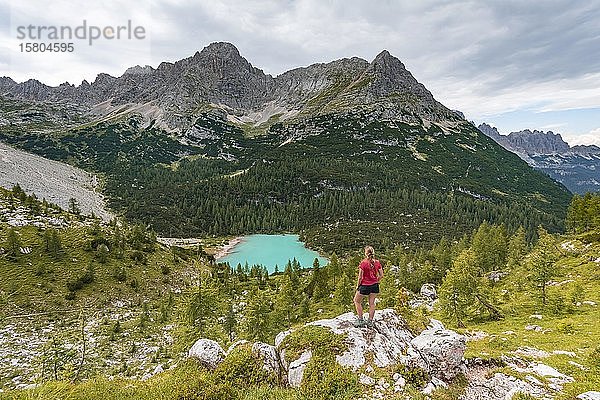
(414,376)
(120,273)
(87,278)
(243,369)
(324,378)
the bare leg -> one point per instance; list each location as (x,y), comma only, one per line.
(358,304)
(372,305)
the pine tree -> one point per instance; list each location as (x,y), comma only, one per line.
(463,288)
(344,292)
(286,303)
(517,248)
(542,262)
(490,247)
(74,206)
(335,268)
(258,318)
(456,290)
(13,243)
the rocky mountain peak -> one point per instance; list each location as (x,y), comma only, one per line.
(489,130)
(386,60)
(538,142)
(139,70)
(220,50)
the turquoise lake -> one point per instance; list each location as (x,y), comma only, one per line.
(271,250)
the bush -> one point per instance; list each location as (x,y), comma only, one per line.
(414,376)
(243,369)
(324,378)
(120,273)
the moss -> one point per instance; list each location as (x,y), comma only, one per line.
(321,341)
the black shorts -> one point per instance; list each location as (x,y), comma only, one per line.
(366,290)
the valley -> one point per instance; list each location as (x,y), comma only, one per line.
(198,151)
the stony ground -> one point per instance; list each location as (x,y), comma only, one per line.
(51,180)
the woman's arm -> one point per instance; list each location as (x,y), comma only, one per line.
(360,276)
(379,274)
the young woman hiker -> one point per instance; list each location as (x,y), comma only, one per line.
(370,273)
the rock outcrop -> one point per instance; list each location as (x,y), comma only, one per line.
(388,357)
(437,352)
(440,351)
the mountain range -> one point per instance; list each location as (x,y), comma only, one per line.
(344,151)
(577,167)
(219,77)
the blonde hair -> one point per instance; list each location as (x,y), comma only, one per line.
(369,252)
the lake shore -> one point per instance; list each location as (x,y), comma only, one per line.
(225,250)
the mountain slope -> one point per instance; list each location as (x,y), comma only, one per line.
(577,167)
(51,180)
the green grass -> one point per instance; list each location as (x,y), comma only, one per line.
(567,327)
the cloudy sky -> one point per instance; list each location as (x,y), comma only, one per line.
(514,64)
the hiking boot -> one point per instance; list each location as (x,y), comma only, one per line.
(359,323)
(369,323)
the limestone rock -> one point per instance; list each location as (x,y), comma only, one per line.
(297,367)
(386,344)
(270,357)
(438,351)
(591,395)
(208,352)
(499,387)
(428,290)
(366,380)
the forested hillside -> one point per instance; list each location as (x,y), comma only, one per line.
(335,178)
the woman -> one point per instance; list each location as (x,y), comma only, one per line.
(370,273)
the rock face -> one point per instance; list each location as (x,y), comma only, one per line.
(208,352)
(219,77)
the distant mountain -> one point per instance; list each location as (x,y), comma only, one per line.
(345,151)
(577,167)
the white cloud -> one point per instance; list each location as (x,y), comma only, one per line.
(564,94)
(592,137)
